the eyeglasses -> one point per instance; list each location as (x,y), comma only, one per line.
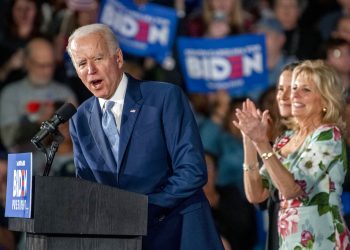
(42,64)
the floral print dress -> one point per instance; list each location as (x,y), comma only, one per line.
(313,221)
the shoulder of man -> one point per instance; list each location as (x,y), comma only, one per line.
(14,86)
(150,84)
(157,87)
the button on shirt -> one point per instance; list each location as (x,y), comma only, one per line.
(118,98)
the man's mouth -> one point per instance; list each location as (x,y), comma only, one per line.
(95,83)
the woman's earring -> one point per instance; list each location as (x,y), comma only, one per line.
(324,110)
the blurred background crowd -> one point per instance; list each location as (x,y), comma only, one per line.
(36,77)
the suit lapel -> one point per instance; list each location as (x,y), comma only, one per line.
(99,136)
(132,106)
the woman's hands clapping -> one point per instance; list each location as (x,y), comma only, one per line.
(252,122)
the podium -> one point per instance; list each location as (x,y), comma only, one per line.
(71,214)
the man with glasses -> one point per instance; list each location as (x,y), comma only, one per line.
(25,104)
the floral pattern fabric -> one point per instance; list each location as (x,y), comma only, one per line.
(314,221)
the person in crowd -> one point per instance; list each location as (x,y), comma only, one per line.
(280,121)
(336,53)
(210,110)
(267,101)
(209,188)
(328,23)
(25,104)
(230,11)
(309,166)
(221,142)
(240,231)
(261,9)
(169,69)
(212,194)
(276,58)
(142,137)
(22,22)
(77,14)
(11,66)
(342,29)
(301,40)
(218,27)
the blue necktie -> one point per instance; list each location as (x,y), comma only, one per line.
(110,128)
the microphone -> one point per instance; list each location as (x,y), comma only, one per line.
(63,114)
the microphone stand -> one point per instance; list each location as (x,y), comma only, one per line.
(49,154)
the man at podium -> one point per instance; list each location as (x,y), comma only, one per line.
(141,137)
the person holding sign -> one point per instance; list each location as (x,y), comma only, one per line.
(141,137)
(309,165)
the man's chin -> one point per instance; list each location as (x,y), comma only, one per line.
(98,93)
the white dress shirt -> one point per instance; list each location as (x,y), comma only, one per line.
(118,98)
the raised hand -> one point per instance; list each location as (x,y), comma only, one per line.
(252,124)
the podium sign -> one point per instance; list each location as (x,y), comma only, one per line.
(19,186)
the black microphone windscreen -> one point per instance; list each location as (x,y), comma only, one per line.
(66,111)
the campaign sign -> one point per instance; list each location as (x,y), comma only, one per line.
(19,185)
(236,63)
(143,31)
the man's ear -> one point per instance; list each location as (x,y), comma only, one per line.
(119,58)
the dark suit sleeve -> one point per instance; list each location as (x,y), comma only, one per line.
(81,166)
(185,149)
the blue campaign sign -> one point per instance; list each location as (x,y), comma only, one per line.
(236,63)
(19,186)
(143,31)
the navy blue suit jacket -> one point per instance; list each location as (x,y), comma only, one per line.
(160,155)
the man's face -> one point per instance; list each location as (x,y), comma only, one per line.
(40,64)
(98,68)
(287,12)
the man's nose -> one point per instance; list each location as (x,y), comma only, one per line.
(91,68)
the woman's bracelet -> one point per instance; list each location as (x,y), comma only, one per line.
(267,156)
(247,167)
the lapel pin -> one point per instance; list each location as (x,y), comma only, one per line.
(132,110)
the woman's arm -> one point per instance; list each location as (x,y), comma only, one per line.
(256,130)
(253,183)
(280,176)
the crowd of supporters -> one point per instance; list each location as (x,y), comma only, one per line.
(36,77)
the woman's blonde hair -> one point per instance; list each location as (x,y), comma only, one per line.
(329,86)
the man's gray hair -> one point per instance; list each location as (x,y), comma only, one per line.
(99,28)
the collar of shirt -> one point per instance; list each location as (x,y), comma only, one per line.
(118,97)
